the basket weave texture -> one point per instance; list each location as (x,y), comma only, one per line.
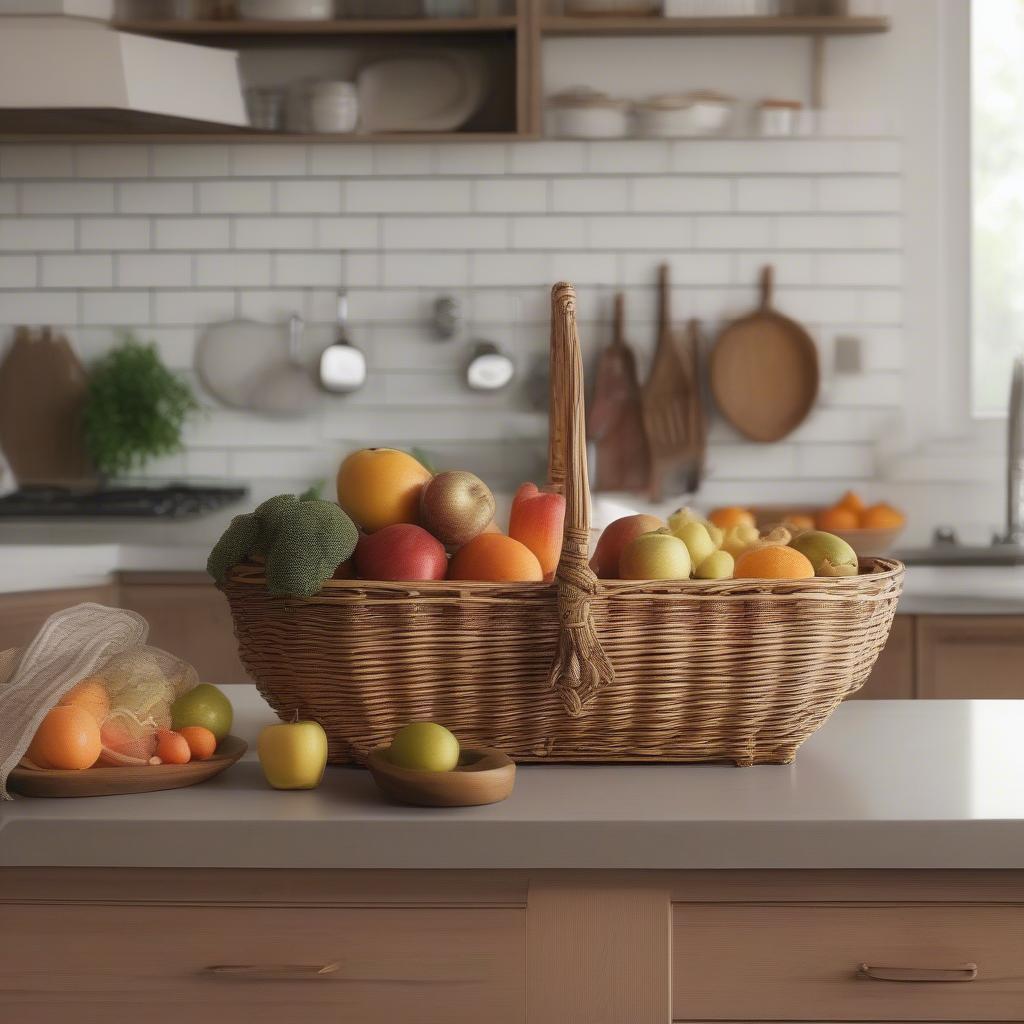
(575,670)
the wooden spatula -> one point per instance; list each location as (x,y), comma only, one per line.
(665,402)
(616,420)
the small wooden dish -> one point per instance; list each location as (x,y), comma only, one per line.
(483,776)
(122,780)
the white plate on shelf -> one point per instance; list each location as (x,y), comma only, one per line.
(437,92)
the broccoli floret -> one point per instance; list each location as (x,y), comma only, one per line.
(239,541)
(268,517)
(311,542)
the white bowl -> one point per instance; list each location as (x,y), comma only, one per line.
(286,10)
(671,117)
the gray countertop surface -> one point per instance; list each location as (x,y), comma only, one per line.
(884,784)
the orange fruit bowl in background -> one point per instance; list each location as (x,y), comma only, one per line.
(866,541)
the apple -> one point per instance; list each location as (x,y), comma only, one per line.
(203,705)
(424,747)
(655,556)
(293,755)
(400,552)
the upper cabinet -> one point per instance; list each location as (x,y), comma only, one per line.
(434,69)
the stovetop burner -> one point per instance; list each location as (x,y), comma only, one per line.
(170,501)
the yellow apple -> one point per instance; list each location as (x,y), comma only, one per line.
(293,754)
(424,747)
(655,556)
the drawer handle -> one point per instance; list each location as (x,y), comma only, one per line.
(272,972)
(968,972)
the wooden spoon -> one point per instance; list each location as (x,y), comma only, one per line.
(764,371)
(616,421)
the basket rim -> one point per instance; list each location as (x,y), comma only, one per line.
(882,581)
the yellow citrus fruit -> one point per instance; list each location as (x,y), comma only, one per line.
(773,563)
(379,487)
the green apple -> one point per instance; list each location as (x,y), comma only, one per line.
(293,755)
(203,705)
(424,747)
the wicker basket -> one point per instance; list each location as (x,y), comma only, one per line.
(575,670)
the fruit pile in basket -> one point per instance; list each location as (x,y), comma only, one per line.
(726,545)
(396,521)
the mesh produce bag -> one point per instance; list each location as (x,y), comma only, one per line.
(101,654)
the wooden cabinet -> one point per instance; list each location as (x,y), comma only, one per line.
(892,678)
(866,963)
(23,612)
(970,656)
(509,947)
(263,965)
(189,617)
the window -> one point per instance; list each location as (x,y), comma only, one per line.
(997,182)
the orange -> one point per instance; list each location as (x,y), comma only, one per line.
(882,517)
(730,516)
(172,747)
(838,517)
(496,557)
(68,737)
(853,501)
(90,694)
(379,487)
(775,562)
(201,742)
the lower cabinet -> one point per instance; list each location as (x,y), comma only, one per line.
(970,656)
(258,964)
(517,947)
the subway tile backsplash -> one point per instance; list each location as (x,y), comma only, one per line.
(165,239)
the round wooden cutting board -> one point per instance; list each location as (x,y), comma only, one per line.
(121,780)
(764,371)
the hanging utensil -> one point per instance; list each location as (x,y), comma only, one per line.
(764,371)
(489,368)
(665,400)
(616,421)
(342,365)
(698,419)
(286,389)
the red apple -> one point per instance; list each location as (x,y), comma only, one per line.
(400,552)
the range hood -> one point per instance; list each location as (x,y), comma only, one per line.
(69,75)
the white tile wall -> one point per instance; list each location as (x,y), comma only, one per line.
(167,238)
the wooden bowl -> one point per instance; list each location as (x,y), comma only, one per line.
(118,781)
(484,775)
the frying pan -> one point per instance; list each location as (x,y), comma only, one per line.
(764,371)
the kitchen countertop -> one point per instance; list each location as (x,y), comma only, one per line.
(884,784)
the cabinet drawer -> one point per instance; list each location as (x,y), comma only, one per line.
(801,962)
(381,965)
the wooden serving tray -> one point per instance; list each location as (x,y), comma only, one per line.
(483,775)
(122,780)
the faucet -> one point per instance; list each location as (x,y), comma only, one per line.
(1015,459)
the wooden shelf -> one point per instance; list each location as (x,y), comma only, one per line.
(247,135)
(338,27)
(654,25)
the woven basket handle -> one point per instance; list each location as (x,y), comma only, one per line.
(580,667)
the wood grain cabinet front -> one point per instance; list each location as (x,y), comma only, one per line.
(162,964)
(847,963)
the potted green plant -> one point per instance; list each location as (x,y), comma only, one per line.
(135,408)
